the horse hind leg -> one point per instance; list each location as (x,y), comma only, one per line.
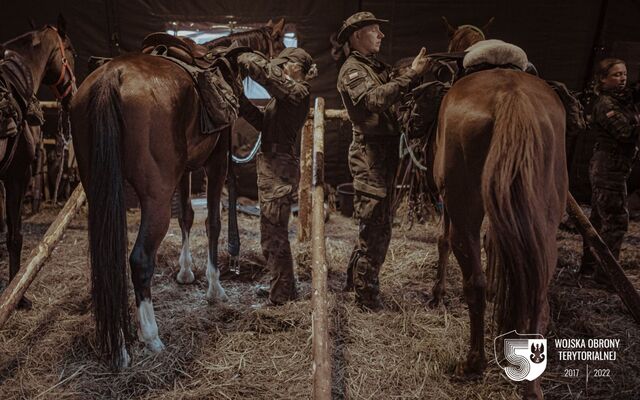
(216,172)
(466,248)
(153,227)
(444,249)
(185,219)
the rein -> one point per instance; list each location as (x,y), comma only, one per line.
(63,88)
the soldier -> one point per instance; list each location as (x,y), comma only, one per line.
(616,120)
(369,94)
(285,78)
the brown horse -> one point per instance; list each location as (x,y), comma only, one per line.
(40,56)
(499,152)
(270,41)
(137,118)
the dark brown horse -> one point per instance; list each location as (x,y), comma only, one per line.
(270,41)
(137,118)
(499,153)
(40,56)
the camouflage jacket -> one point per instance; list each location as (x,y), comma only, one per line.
(369,94)
(285,114)
(272,77)
(616,120)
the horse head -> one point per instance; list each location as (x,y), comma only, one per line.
(276,36)
(47,55)
(58,73)
(464,36)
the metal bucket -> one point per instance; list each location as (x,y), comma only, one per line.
(345,198)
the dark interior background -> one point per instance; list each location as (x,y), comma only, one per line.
(562,38)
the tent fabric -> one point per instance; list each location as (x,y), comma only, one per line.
(562,38)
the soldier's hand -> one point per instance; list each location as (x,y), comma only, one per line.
(421,63)
(297,93)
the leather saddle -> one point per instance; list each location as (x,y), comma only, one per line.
(182,48)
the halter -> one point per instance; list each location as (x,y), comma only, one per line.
(63,88)
(267,36)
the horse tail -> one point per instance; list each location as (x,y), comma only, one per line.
(107,219)
(515,207)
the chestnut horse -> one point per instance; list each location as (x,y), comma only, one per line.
(137,118)
(40,56)
(499,152)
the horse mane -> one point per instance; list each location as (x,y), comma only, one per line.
(253,37)
(465,36)
(19,39)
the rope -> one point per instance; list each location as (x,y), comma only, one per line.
(251,155)
(414,159)
(64,126)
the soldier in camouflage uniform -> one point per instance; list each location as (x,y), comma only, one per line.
(285,78)
(616,120)
(369,94)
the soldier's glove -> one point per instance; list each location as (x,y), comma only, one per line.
(297,93)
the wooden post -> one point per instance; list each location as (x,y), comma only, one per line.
(319,300)
(621,283)
(304,191)
(18,286)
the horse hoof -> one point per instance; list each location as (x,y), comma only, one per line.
(434,302)
(214,297)
(155,346)
(24,304)
(185,277)
(125,360)
(467,371)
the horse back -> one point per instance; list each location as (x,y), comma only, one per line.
(468,115)
(159,106)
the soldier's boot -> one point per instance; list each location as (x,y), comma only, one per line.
(367,287)
(573,107)
(283,283)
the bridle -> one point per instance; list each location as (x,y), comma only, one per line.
(63,87)
(267,37)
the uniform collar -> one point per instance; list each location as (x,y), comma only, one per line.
(624,95)
(370,60)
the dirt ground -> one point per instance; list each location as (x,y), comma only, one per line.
(243,350)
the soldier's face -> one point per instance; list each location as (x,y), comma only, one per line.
(616,78)
(369,39)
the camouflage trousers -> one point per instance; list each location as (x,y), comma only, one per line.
(373,167)
(608,173)
(277,185)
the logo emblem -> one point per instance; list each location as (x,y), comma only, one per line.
(525,355)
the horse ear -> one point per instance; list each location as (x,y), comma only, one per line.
(62,26)
(32,24)
(485,28)
(279,26)
(35,39)
(450,29)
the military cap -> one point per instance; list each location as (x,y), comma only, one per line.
(355,22)
(296,55)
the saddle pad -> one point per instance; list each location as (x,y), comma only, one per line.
(495,52)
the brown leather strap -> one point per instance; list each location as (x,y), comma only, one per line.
(9,158)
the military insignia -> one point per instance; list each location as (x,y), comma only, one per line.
(610,114)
